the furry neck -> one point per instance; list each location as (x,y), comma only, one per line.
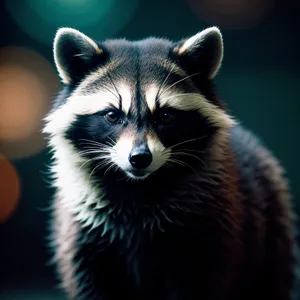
(92,200)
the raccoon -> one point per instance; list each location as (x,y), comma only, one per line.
(160,192)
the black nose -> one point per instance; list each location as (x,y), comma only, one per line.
(140,157)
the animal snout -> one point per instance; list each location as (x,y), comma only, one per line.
(140,157)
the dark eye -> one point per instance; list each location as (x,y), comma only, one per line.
(112,116)
(165,118)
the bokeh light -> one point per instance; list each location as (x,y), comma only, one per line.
(99,19)
(27,84)
(19,106)
(232,14)
(9,189)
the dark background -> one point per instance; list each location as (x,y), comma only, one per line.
(259,81)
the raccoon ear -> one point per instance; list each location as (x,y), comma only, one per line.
(202,52)
(74,54)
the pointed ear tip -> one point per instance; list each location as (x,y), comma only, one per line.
(216,33)
(216,28)
(213,29)
(210,31)
(65,30)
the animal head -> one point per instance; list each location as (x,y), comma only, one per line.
(135,107)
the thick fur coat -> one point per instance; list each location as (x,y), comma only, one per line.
(202,212)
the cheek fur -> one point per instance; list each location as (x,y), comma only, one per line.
(121,150)
(160,154)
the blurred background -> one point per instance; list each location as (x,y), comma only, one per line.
(259,81)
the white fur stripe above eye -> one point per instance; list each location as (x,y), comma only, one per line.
(150,95)
(126,97)
(188,101)
(195,101)
(61,119)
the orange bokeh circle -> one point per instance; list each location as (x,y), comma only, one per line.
(22,103)
(28,83)
(9,189)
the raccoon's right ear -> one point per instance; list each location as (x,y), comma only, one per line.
(201,53)
(75,54)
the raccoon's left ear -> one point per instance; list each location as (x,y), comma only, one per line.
(75,54)
(201,53)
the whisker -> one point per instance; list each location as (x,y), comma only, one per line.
(168,164)
(193,150)
(165,80)
(87,161)
(95,143)
(204,176)
(177,161)
(112,141)
(187,141)
(91,141)
(93,151)
(183,164)
(123,177)
(107,89)
(93,159)
(98,144)
(111,166)
(93,146)
(96,147)
(86,141)
(178,81)
(100,165)
(191,155)
(113,84)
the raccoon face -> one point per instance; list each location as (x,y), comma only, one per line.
(136,107)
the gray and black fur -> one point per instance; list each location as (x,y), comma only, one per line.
(160,194)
